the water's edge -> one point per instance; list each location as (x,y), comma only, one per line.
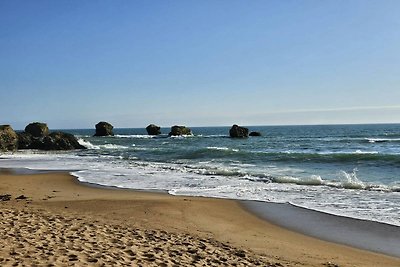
(368,235)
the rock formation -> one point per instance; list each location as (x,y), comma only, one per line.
(153,129)
(8,138)
(37,129)
(36,136)
(180,130)
(255,134)
(238,132)
(25,141)
(104,129)
(61,141)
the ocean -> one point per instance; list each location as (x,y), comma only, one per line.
(346,170)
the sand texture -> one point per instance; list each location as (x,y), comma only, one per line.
(33,238)
(61,222)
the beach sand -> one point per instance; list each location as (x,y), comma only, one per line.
(63,222)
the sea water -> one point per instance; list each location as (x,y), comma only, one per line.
(348,170)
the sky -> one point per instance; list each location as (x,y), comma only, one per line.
(199,63)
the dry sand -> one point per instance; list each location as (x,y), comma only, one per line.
(64,222)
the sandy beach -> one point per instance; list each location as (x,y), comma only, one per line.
(60,222)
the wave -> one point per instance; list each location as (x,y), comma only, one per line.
(135,136)
(331,157)
(313,180)
(222,148)
(89,145)
(382,140)
(346,180)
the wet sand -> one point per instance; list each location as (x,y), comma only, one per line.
(64,222)
(368,235)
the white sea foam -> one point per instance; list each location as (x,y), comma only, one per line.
(222,148)
(329,196)
(312,180)
(87,144)
(360,152)
(113,146)
(137,136)
(351,181)
(381,140)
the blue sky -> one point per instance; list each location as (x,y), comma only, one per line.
(198,63)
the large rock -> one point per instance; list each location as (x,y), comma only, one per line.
(153,129)
(37,129)
(8,138)
(104,129)
(180,130)
(255,134)
(60,141)
(25,140)
(53,141)
(238,132)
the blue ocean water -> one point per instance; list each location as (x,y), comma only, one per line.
(349,170)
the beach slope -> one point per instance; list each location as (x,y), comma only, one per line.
(59,221)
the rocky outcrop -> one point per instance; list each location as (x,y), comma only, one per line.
(153,129)
(180,130)
(37,129)
(8,138)
(238,132)
(60,141)
(38,137)
(25,140)
(255,134)
(104,129)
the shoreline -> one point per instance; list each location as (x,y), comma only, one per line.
(373,236)
(363,234)
(212,219)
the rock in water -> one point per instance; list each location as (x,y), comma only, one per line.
(153,129)
(25,140)
(180,130)
(104,129)
(8,138)
(37,129)
(60,141)
(238,132)
(255,134)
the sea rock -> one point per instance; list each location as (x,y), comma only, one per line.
(8,138)
(60,141)
(52,141)
(25,140)
(255,134)
(37,129)
(238,132)
(153,129)
(180,130)
(104,129)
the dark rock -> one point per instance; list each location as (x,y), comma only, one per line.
(255,134)
(180,130)
(8,138)
(104,129)
(37,129)
(60,141)
(21,197)
(53,141)
(238,132)
(153,129)
(25,140)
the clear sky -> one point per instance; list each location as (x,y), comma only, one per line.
(199,63)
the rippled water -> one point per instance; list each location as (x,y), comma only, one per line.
(351,170)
